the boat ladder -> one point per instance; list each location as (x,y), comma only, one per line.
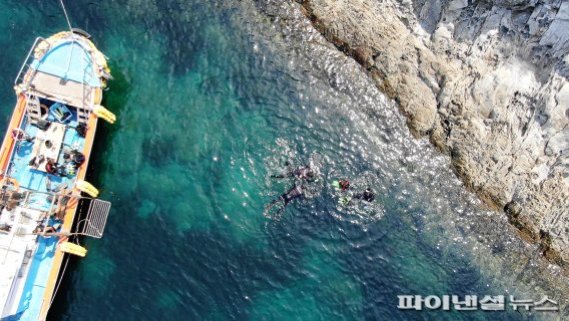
(33,108)
(93,224)
(87,103)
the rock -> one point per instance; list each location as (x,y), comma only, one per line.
(487,81)
(510,3)
(419,106)
(557,35)
(363,55)
(558,145)
(431,14)
(456,5)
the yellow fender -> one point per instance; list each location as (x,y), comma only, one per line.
(86,187)
(104,113)
(72,248)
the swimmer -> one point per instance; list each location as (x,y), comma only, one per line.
(368,195)
(342,184)
(296,192)
(303,172)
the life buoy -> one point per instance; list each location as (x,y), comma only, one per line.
(11,181)
(44,110)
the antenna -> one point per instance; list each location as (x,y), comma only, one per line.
(72,39)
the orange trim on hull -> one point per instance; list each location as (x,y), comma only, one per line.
(8,143)
(68,220)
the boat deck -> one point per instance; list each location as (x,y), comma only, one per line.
(33,179)
(19,244)
(16,248)
(70,91)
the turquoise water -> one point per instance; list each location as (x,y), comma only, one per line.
(212,98)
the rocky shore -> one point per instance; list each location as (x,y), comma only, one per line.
(487,83)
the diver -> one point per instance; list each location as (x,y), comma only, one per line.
(295,192)
(368,195)
(343,185)
(302,172)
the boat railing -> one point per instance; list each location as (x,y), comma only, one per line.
(27,63)
(91,224)
(28,201)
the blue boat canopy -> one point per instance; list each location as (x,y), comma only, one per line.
(69,60)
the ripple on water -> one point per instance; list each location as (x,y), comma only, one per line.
(217,97)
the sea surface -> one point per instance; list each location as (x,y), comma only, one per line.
(213,97)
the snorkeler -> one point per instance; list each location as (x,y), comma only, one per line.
(368,195)
(301,172)
(295,192)
(343,185)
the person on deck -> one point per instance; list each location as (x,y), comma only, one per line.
(19,134)
(50,230)
(51,167)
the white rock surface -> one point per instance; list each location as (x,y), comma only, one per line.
(487,81)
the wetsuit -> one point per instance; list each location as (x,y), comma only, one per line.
(304,172)
(367,195)
(295,192)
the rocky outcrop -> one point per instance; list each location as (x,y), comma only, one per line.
(487,82)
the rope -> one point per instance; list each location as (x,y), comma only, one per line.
(67,257)
(66,16)
(59,281)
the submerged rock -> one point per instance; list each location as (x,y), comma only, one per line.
(487,82)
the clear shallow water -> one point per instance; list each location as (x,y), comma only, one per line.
(214,97)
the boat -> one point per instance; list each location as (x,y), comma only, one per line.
(47,208)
